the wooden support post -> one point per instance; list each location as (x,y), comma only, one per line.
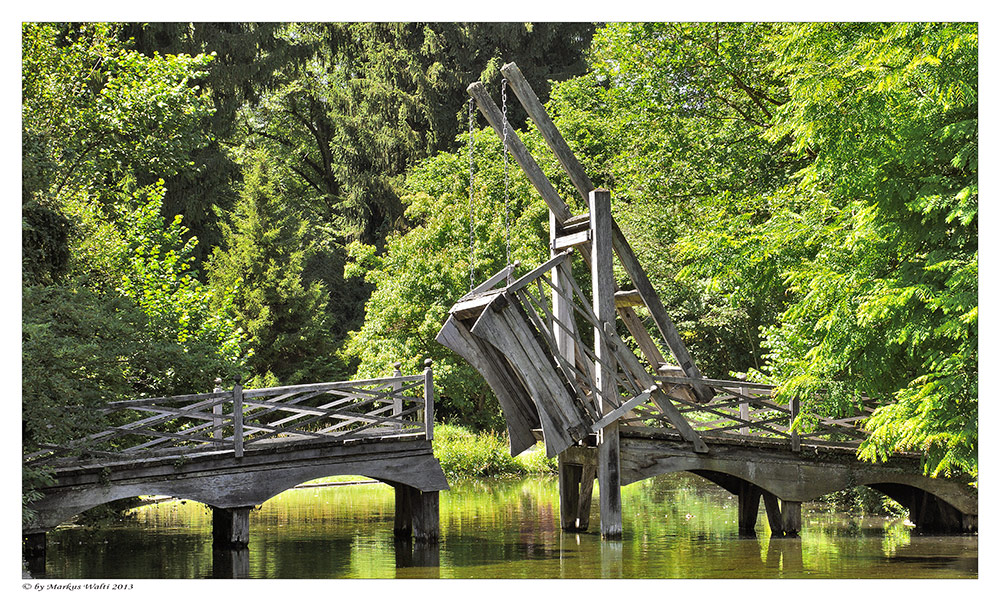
(217,413)
(794,407)
(231,526)
(561,309)
(569,493)
(403,523)
(428,400)
(791,517)
(426,514)
(238,418)
(586,496)
(602,282)
(749,504)
(745,412)
(773,514)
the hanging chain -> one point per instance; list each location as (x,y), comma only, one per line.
(472,213)
(506,177)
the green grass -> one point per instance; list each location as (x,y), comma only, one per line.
(467,454)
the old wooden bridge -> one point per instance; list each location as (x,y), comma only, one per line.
(558,361)
(234,449)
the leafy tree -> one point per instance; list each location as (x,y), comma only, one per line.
(246,57)
(888,305)
(671,120)
(111,304)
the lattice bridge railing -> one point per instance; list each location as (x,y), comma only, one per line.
(238,420)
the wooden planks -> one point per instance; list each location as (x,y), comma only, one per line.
(563,418)
(518,407)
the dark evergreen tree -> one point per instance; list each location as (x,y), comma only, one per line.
(264,251)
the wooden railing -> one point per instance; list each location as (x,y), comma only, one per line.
(747,410)
(233,421)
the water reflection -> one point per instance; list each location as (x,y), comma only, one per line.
(676,526)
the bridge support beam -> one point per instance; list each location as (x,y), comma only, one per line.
(417,513)
(603,284)
(231,527)
(749,504)
(576,489)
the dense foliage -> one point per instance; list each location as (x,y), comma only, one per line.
(285,203)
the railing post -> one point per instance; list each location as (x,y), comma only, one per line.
(794,407)
(397,399)
(745,411)
(238,418)
(428,400)
(217,412)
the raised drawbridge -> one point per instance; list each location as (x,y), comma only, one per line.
(553,352)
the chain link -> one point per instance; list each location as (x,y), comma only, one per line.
(506,177)
(472,213)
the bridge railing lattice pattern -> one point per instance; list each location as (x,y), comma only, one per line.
(233,421)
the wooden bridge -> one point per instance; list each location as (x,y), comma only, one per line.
(235,449)
(557,359)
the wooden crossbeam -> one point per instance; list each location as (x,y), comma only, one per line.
(625,407)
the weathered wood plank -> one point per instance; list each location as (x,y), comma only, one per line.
(503,274)
(570,240)
(518,408)
(623,409)
(635,327)
(532,275)
(602,284)
(471,306)
(510,335)
(428,400)
(532,106)
(628,298)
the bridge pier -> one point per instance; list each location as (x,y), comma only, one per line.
(783,517)
(231,527)
(417,513)
(576,488)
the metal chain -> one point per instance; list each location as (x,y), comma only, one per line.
(472,213)
(506,177)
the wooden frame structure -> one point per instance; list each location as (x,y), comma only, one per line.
(559,366)
(384,408)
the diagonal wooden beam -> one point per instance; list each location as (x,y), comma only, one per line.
(584,186)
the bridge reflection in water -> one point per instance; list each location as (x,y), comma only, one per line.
(677,526)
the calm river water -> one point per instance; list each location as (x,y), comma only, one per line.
(676,526)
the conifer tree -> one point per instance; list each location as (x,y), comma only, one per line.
(264,252)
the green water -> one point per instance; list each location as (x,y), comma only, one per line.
(676,526)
